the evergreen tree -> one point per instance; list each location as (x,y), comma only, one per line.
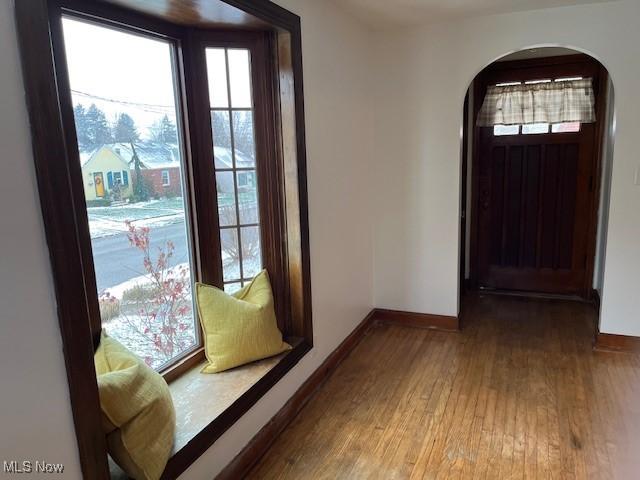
(124,130)
(141,188)
(97,127)
(80,116)
(164,131)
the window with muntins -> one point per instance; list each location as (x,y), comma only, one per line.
(231,104)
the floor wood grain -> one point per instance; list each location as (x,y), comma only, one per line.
(519,394)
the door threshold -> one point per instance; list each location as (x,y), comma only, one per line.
(525,294)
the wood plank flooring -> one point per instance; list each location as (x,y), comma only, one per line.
(519,394)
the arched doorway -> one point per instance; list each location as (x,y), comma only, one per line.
(535,195)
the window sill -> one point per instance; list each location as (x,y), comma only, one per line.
(202,417)
(200,398)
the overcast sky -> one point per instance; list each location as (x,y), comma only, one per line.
(118,65)
(123,72)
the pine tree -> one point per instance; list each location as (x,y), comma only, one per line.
(141,188)
(80,116)
(164,131)
(97,127)
(124,130)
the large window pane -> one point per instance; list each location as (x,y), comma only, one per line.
(126,120)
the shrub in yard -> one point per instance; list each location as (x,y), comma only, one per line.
(139,293)
(100,202)
(109,307)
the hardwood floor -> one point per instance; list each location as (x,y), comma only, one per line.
(518,394)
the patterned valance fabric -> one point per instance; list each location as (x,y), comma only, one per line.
(551,102)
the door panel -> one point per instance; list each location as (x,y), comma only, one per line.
(531,234)
(534,196)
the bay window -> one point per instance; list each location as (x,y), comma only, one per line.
(170,149)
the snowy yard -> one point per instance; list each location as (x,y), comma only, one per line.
(106,221)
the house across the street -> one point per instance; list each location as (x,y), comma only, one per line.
(105,174)
(159,163)
(109,171)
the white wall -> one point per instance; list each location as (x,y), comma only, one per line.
(422,76)
(35,414)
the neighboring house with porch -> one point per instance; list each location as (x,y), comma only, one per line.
(105,174)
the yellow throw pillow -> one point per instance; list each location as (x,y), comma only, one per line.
(140,419)
(239,328)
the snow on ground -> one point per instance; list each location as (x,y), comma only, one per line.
(107,221)
(104,227)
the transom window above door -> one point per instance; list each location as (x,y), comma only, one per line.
(568,99)
(536,128)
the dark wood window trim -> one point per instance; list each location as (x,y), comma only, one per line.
(276,33)
(530,69)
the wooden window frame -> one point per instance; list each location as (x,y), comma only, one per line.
(283,202)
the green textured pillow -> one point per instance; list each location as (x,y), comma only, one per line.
(239,328)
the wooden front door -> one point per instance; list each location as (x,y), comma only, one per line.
(534,202)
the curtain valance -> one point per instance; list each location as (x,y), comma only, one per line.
(550,102)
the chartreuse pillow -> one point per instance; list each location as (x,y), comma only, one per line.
(138,414)
(238,328)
